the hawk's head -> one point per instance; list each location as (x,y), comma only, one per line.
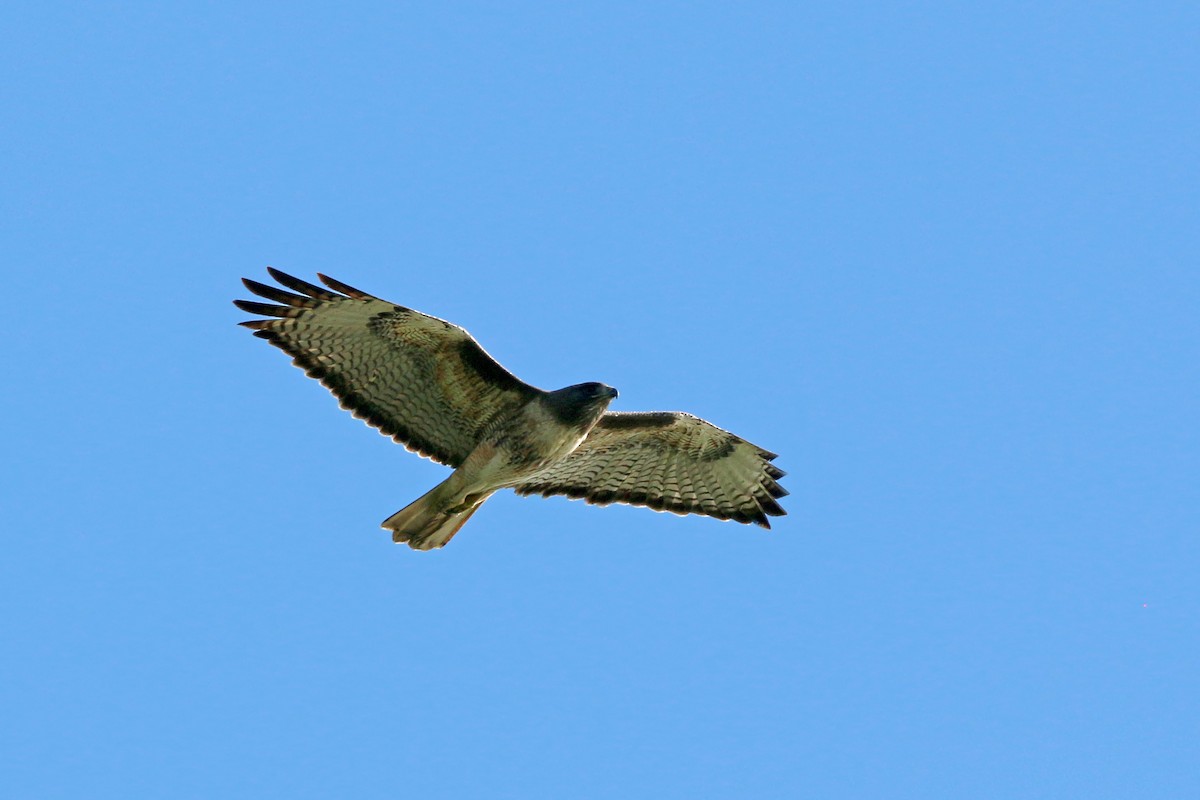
(581,404)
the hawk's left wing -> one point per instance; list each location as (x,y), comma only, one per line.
(668,461)
(418,379)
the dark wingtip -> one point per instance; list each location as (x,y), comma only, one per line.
(280,275)
(266,309)
(279,295)
(770,507)
(345,289)
(304,287)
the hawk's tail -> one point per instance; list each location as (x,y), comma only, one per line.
(427,523)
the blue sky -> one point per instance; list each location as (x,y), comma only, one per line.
(941,257)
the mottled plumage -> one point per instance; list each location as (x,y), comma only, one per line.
(668,461)
(430,386)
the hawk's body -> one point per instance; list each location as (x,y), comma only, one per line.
(430,386)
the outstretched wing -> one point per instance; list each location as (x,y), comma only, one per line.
(421,380)
(668,461)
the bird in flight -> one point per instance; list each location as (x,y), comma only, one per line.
(428,385)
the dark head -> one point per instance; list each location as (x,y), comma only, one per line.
(581,404)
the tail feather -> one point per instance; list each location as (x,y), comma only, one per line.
(426,524)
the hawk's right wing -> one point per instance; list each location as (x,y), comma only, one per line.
(668,461)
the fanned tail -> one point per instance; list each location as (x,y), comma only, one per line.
(426,523)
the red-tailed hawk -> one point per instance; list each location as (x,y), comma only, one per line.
(431,387)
